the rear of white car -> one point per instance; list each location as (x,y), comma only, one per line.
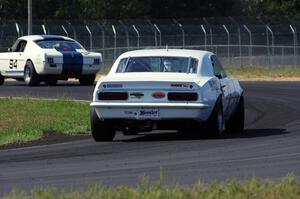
(156,89)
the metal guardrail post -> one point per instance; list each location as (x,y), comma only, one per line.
(115,41)
(138,36)
(250,40)
(65,30)
(91,36)
(205,36)
(228,43)
(156,27)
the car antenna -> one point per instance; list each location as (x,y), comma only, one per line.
(167,47)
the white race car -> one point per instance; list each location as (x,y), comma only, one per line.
(48,58)
(185,90)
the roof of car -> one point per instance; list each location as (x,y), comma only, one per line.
(166,52)
(42,37)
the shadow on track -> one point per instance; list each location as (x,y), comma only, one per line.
(174,136)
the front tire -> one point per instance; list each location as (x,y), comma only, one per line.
(31,78)
(101,129)
(87,80)
(235,124)
(1,79)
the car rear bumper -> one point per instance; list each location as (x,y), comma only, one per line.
(158,111)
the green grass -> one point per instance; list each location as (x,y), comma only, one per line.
(23,120)
(285,188)
(264,73)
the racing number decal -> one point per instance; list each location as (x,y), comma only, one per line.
(13,63)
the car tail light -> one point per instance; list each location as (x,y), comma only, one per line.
(182,96)
(158,95)
(50,60)
(112,96)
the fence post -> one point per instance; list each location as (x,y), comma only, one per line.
(138,36)
(74,32)
(18,29)
(127,34)
(91,36)
(205,36)
(210,33)
(295,43)
(182,31)
(103,39)
(250,40)
(44,29)
(228,43)
(64,29)
(272,38)
(115,41)
(158,33)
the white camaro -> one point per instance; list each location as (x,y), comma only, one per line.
(37,58)
(185,90)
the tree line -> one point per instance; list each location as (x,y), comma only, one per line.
(118,9)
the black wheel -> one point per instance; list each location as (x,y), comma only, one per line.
(235,124)
(87,79)
(31,78)
(51,81)
(215,122)
(101,129)
(1,79)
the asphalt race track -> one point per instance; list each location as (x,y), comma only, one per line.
(269,148)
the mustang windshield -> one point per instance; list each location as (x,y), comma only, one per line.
(158,64)
(59,44)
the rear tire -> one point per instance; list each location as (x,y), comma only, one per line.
(235,124)
(1,79)
(87,80)
(31,78)
(101,129)
(215,122)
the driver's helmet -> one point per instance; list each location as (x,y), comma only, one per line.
(167,65)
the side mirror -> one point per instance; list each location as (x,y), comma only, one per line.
(9,50)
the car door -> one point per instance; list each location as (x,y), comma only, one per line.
(17,60)
(225,84)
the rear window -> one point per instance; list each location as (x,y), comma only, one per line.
(158,64)
(59,44)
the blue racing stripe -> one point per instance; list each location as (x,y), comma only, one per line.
(72,63)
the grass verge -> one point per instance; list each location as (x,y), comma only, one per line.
(23,120)
(285,188)
(253,73)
